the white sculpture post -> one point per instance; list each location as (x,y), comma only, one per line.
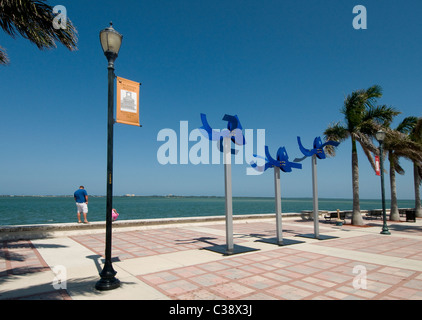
(228,193)
(315,196)
(278,205)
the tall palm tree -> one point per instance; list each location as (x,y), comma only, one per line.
(416,136)
(399,145)
(362,118)
(33,20)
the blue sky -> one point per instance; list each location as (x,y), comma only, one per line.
(282,66)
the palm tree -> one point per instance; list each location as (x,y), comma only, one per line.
(416,136)
(362,119)
(398,144)
(33,20)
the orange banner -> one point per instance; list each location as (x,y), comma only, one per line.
(127,102)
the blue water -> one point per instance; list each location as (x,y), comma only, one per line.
(39,210)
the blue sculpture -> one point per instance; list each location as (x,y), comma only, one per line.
(281,161)
(316,152)
(318,149)
(233,133)
(234,129)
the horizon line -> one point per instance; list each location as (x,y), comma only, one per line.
(191,196)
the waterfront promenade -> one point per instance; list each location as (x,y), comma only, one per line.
(171,262)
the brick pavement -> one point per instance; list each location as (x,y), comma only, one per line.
(19,258)
(285,273)
(359,264)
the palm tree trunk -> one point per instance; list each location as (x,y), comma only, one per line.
(394,211)
(417,180)
(356,216)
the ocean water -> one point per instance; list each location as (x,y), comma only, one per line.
(27,210)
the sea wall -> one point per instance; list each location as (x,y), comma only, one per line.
(16,232)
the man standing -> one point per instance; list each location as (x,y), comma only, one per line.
(81,198)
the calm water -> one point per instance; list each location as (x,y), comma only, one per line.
(39,210)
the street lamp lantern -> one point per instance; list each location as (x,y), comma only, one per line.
(380,136)
(110,41)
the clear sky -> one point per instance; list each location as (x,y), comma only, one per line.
(282,66)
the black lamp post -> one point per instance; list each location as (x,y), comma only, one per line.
(110,42)
(380,135)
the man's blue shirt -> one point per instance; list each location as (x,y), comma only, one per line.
(80,195)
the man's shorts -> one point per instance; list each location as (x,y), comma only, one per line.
(82,207)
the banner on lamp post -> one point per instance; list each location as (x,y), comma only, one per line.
(377,166)
(127,102)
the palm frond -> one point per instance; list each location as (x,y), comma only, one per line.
(371,94)
(403,146)
(370,157)
(365,141)
(416,134)
(368,147)
(4,59)
(399,169)
(353,109)
(335,132)
(407,125)
(360,109)
(382,115)
(395,163)
(33,20)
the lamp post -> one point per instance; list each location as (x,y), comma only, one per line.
(110,41)
(380,136)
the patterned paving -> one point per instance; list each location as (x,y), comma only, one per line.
(135,244)
(286,274)
(268,229)
(276,273)
(408,248)
(20,257)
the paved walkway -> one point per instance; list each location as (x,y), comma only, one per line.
(171,262)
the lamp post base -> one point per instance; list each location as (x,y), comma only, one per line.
(108,280)
(385,232)
(107,284)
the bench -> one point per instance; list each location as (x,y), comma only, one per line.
(308,215)
(337,214)
(375,213)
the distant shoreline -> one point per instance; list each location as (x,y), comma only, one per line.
(178,196)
